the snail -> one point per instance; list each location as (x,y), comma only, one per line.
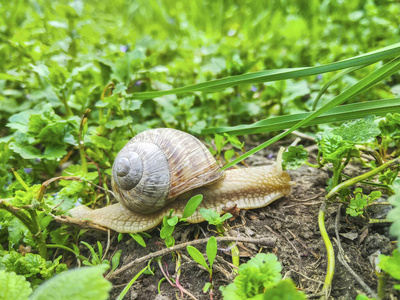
(161,169)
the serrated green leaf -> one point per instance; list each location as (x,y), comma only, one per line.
(259,273)
(82,283)
(209,215)
(13,286)
(359,131)
(119,123)
(101,142)
(294,157)
(27,152)
(391,264)
(284,290)
(22,198)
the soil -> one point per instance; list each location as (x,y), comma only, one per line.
(299,247)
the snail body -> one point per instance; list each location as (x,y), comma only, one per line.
(161,169)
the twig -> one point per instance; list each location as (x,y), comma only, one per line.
(308,199)
(304,246)
(295,249)
(308,278)
(302,203)
(263,241)
(303,135)
(108,244)
(343,261)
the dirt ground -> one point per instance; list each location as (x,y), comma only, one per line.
(299,247)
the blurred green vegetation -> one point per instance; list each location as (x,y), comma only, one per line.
(59,57)
(69,68)
(82,45)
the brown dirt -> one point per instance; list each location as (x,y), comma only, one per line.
(299,247)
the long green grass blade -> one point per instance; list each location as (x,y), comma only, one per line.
(367,82)
(274,75)
(332,80)
(337,114)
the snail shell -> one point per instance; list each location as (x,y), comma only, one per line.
(157,165)
(161,169)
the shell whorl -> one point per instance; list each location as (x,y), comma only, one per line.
(159,164)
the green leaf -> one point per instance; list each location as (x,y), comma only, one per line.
(119,123)
(294,157)
(169,241)
(13,286)
(259,273)
(192,205)
(390,126)
(284,290)
(139,239)
(115,260)
(364,297)
(209,215)
(332,146)
(96,259)
(101,142)
(173,221)
(391,264)
(211,250)
(197,256)
(206,287)
(360,131)
(22,198)
(166,230)
(82,283)
(212,217)
(394,214)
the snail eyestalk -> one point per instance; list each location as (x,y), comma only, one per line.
(295,142)
(279,161)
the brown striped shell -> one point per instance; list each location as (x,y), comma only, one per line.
(158,165)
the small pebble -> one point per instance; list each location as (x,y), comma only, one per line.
(262,216)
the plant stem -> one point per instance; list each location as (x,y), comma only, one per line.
(38,236)
(382,280)
(128,286)
(30,223)
(362,177)
(329,252)
(380,221)
(312,165)
(20,180)
(52,246)
(83,159)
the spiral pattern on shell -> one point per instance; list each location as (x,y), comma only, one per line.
(158,165)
